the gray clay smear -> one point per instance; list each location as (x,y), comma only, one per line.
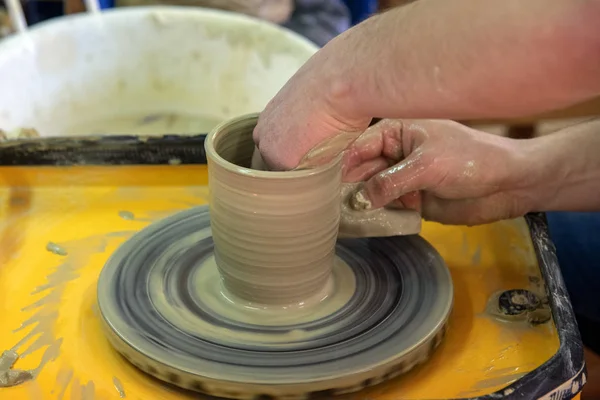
(56,249)
(128,215)
(12,377)
(119,387)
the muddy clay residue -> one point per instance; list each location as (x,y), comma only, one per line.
(40,325)
(128,215)
(56,249)
(10,376)
(380,222)
(119,387)
(63,379)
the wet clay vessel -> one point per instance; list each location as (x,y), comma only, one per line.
(274,232)
(255,297)
(267,225)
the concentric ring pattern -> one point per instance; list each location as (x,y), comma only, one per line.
(164,309)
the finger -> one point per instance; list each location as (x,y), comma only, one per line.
(409,175)
(365,148)
(365,170)
(327,150)
(384,139)
(496,207)
(410,201)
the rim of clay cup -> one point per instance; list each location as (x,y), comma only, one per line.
(213,137)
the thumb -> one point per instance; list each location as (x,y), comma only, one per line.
(410,175)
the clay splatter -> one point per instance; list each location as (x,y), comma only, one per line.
(50,354)
(12,377)
(78,390)
(63,273)
(119,387)
(62,380)
(128,215)
(46,311)
(88,391)
(56,249)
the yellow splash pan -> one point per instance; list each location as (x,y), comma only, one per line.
(67,204)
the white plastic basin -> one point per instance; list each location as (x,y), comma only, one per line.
(143,70)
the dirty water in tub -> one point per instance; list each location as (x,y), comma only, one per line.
(144,124)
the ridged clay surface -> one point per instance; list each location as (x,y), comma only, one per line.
(166,311)
(255,296)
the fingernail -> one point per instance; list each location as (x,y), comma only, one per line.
(359,201)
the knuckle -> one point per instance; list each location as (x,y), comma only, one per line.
(382,186)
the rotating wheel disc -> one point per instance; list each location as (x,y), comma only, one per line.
(163,308)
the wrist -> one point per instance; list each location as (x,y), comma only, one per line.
(561,171)
(537,173)
(520,174)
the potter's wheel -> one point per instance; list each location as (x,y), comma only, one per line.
(164,308)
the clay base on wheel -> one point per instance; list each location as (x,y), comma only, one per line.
(384,311)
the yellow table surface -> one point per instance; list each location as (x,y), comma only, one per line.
(48,301)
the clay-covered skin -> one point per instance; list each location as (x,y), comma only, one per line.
(274,232)
(378,222)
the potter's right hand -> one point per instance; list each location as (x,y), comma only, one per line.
(449,172)
(304,113)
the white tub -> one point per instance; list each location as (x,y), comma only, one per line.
(143,70)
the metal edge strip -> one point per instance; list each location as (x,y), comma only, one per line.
(104,150)
(563,375)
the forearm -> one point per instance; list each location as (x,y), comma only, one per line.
(566,166)
(466,59)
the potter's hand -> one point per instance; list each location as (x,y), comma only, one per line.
(457,175)
(303,114)
(387,67)
(449,172)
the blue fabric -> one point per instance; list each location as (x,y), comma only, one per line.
(577,240)
(38,11)
(319,20)
(105,4)
(361,9)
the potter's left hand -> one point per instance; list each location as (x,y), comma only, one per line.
(449,172)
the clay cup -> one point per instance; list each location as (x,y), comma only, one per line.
(274,232)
